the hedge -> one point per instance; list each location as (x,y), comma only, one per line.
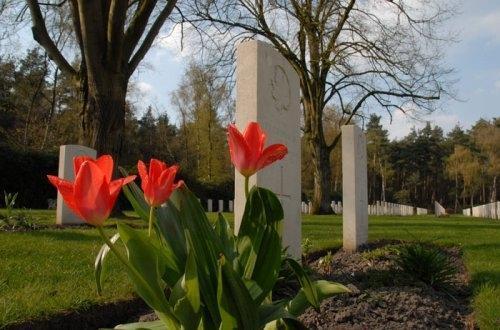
(26,172)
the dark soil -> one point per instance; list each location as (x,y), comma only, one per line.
(384,297)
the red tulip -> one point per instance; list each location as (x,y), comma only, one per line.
(247,150)
(158,184)
(92,195)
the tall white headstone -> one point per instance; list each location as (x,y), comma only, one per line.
(210,205)
(354,187)
(221,206)
(267,91)
(64,215)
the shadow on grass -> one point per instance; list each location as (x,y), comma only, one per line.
(67,235)
(486,277)
(399,224)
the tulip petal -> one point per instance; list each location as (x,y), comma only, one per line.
(165,176)
(156,167)
(143,173)
(238,149)
(66,190)
(91,192)
(105,163)
(142,169)
(255,138)
(78,161)
(271,154)
(115,187)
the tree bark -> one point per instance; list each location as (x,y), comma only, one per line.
(322,178)
(103,114)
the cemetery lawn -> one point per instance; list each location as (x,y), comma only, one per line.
(50,270)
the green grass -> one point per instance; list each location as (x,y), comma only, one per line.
(50,270)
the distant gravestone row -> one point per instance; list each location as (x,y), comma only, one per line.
(490,211)
(379,208)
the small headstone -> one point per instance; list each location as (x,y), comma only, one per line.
(354,187)
(221,205)
(439,210)
(210,206)
(268,92)
(231,206)
(64,216)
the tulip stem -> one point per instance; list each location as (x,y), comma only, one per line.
(246,187)
(151,214)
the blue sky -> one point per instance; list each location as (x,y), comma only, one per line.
(475,58)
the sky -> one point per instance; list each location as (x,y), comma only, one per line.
(475,57)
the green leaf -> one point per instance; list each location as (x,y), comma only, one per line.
(100,264)
(136,198)
(146,267)
(307,285)
(225,233)
(272,312)
(237,309)
(206,245)
(153,325)
(258,242)
(324,289)
(169,225)
(185,295)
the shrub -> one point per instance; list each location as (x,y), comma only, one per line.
(426,263)
(24,172)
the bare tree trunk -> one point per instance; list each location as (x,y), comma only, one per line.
(456,193)
(52,109)
(33,100)
(471,203)
(382,179)
(210,143)
(322,179)
(103,115)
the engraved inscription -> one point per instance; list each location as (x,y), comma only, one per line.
(280,89)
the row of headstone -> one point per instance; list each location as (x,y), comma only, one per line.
(439,210)
(336,207)
(220,205)
(385,208)
(490,210)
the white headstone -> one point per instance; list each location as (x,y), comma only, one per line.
(64,216)
(268,92)
(438,209)
(221,206)
(231,206)
(210,205)
(354,187)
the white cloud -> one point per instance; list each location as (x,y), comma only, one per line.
(144,87)
(485,25)
(402,123)
(497,84)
